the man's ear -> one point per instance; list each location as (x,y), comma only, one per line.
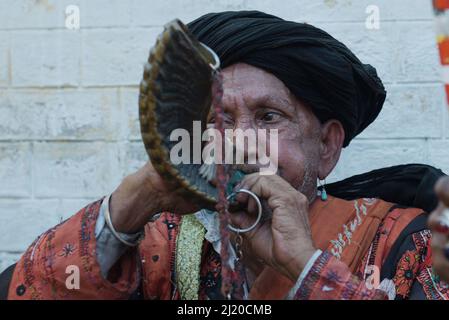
(331,143)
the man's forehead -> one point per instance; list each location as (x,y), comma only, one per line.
(254,86)
(257,99)
(239,75)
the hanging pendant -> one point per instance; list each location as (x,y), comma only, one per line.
(323,195)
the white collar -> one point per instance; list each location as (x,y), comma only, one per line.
(211,222)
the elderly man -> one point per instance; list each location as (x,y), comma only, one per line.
(367,239)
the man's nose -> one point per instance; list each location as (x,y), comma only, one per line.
(245,140)
(244,123)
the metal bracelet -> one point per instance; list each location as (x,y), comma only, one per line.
(155,217)
(259,214)
(107,218)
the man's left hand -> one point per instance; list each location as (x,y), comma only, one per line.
(284,242)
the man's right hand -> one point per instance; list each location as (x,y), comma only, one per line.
(142,195)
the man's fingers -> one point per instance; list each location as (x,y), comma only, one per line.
(241,197)
(273,191)
(242,220)
(263,186)
(239,219)
(183,207)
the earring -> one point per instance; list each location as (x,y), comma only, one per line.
(322,190)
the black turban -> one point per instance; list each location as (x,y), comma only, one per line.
(319,70)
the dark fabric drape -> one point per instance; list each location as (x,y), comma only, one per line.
(410,185)
(319,70)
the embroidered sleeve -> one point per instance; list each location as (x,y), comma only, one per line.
(109,248)
(413,276)
(412,273)
(303,274)
(62,264)
(427,285)
(330,279)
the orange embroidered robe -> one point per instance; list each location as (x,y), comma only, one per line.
(363,241)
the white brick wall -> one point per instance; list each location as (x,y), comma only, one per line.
(68,99)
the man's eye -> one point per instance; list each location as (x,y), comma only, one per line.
(270,116)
